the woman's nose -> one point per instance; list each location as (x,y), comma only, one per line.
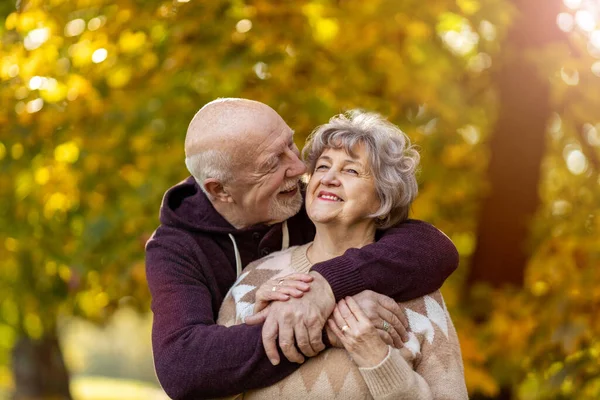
(330,178)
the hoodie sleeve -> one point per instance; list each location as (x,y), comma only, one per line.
(408,261)
(195,358)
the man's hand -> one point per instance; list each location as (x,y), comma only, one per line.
(379,308)
(300,318)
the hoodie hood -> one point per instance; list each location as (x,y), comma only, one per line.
(185,206)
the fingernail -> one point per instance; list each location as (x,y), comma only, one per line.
(274,361)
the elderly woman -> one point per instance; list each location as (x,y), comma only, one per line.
(362,178)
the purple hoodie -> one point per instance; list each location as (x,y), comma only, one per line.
(190,266)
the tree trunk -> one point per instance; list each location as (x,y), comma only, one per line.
(39,370)
(517,147)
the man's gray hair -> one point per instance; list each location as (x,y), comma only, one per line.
(392,159)
(209,164)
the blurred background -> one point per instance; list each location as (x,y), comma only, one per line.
(502,97)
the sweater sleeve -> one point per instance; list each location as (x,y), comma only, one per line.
(394,379)
(408,261)
(195,358)
(441,364)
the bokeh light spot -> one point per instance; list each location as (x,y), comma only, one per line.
(74,27)
(585,20)
(576,162)
(243,26)
(99,55)
(34,106)
(565,22)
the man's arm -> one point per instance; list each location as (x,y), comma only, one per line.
(408,261)
(195,358)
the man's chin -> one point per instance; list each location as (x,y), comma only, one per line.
(281,212)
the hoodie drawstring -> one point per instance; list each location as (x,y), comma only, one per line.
(285,240)
(238,259)
(285,243)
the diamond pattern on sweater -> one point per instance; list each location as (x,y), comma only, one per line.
(436,314)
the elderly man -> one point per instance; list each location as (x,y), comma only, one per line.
(243,202)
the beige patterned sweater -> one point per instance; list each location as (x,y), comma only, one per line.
(428,367)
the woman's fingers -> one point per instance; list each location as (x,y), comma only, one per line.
(339,319)
(335,329)
(266,293)
(298,277)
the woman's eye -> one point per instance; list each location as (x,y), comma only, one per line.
(321,167)
(352,171)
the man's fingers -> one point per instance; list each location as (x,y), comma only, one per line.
(315,334)
(286,343)
(303,340)
(269,337)
(355,309)
(258,318)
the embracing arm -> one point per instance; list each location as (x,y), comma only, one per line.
(410,260)
(195,358)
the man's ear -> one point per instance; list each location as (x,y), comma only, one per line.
(217,191)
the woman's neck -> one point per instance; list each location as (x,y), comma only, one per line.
(333,241)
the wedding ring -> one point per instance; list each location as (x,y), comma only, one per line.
(345,328)
(386,326)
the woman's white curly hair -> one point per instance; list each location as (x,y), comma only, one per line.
(393,161)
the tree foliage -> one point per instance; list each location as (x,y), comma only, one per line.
(97,96)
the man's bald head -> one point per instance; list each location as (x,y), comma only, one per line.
(223,124)
(220,137)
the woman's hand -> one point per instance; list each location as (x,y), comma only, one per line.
(280,289)
(357,334)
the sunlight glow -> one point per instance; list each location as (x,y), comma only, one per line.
(596,68)
(570,76)
(487,30)
(591,134)
(565,22)
(585,20)
(572,4)
(595,39)
(35,83)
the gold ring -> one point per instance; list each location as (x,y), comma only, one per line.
(345,328)
(274,289)
(386,326)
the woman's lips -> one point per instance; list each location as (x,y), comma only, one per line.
(328,196)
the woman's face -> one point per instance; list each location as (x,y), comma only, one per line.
(342,189)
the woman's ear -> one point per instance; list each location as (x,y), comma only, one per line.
(216,191)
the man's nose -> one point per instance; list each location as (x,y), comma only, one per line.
(296,167)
